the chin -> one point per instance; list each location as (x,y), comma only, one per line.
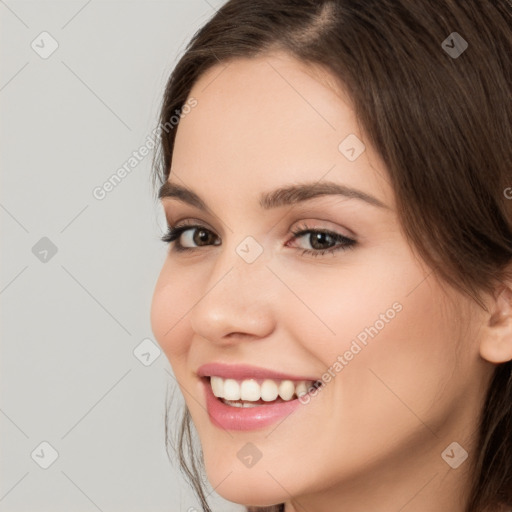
(249,487)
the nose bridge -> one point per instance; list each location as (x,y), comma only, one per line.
(236,297)
(242,264)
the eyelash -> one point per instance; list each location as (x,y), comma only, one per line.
(174,232)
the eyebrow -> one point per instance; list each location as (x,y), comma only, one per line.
(283,196)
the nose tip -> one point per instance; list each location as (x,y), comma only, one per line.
(235,307)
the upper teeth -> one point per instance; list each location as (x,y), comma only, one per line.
(251,390)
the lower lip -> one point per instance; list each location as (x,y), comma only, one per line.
(245,418)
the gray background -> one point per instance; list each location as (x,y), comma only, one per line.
(70,321)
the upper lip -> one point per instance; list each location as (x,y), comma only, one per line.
(244,371)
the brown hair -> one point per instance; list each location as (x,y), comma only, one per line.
(442,124)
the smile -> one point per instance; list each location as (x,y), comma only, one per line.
(256,406)
(246,397)
(257,392)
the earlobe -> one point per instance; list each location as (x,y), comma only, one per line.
(496,343)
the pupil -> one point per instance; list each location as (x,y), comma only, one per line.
(202,236)
(318,238)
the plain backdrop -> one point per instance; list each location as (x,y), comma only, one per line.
(82,382)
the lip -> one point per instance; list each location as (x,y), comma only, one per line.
(243,371)
(241,418)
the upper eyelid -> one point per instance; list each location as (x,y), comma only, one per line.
(187,218)
(190,222)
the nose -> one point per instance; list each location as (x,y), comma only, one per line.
(236,303)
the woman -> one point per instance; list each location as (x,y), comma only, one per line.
(336,300)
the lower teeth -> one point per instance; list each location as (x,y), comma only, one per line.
(242,403)
(239,404)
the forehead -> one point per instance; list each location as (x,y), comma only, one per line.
(267,120)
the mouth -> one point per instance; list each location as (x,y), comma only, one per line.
(247,397)
(252,404)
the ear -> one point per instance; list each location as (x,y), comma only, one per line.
(496,344)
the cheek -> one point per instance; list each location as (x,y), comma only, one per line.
(406,376)
(330,307)
(170,303)
(396,341)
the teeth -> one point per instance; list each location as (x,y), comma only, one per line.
(231,390)
(249,390)
(301,389)
(286,389)
(217,386)
(269,390)
(240,404)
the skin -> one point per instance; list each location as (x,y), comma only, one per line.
(372,438)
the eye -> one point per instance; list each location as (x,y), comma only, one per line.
(321,241)
(193,234)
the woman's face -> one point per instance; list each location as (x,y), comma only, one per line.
(405,373)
